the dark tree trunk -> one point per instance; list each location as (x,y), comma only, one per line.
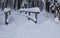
(33,3)
(14,4)
(19,4)
(47,6)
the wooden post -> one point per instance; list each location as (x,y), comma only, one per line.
(29,13)
(6,16)
(7,12)
(36,17)
(25,12)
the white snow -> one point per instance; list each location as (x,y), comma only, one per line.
(58,1)
(57,20)
(35,9)
(9,18)
(7,9)
(49,29)
(2,17)
(21,27)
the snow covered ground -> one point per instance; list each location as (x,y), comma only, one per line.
(21,27)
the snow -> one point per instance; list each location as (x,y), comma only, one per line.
(57,20)
(49,29)
(21,27)
(35,9)
(1,17)
(9,18)
(58,1)
(7,9)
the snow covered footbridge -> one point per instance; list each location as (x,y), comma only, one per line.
(20,27)
(27,11)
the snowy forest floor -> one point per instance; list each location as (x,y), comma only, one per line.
(21,27)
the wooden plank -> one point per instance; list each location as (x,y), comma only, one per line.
(32,10)
(29,18)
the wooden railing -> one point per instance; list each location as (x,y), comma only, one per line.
(28,11)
